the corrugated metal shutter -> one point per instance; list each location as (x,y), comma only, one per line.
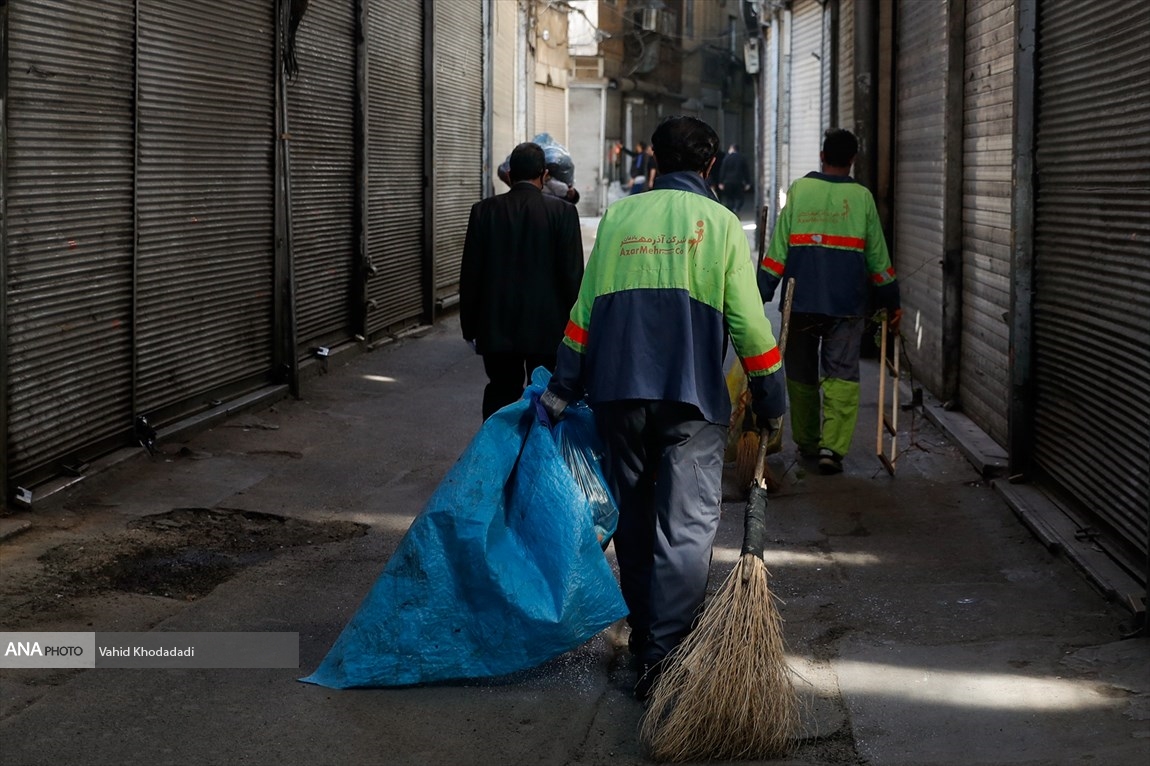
(505,68)
(321,121)
(806,87)
(919,180)
(846,64)
(1092,284)
(988,141)
(551,112)
(828,60)
(205,200)
(458,109)
(69,250)
(396,165)
(587,146)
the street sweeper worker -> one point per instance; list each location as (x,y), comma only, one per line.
(669,279)
(829,239)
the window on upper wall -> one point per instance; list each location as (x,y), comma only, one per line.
(688,19)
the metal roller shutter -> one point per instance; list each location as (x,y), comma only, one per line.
(1092,285)
(988,141)
(458,108)
(846,64)
(321,121)
(806,87)
(69,224)
(205,201)
(396,167)
(920,176)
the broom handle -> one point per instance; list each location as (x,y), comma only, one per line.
(761,462)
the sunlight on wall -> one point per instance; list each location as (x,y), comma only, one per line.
(992,691)
(918,330)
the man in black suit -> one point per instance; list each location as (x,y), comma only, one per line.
(522,265)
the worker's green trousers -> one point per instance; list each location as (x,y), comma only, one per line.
(822,365)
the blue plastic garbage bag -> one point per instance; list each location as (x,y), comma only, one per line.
(502,571)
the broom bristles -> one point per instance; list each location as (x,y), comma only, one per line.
(726,692)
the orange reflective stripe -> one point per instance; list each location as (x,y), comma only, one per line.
(883,276)
(762,361)
(772,266)
(828,240)
(576,333)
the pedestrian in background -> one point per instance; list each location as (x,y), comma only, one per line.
(829,238)
(520,275)
(670,278)
(639,167)
(734,179)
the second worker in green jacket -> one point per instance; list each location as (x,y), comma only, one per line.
(829,239)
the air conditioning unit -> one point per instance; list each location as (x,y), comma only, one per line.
(650,20)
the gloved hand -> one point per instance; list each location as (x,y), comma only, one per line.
(549,408)
(774,429)
(895,320)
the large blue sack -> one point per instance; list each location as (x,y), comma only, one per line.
(502,571)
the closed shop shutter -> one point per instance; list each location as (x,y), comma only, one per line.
(1092,284)
(587,146)
(396,166)
(920,170)
(806,87)
(988,142)
(506,72)
(68,292)
(321,122)
(551,112)
(846,65)
(205,201)
(458,109)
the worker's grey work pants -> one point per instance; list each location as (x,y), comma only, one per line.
(664,464)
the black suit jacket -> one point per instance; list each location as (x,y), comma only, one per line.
(522,265)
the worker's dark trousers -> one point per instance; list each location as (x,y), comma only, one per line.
(508,374)
(664,464)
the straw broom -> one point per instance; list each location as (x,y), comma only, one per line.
(726,693)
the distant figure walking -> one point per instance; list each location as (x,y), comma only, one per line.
(734,179)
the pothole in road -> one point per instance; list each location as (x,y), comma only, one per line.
(184,553)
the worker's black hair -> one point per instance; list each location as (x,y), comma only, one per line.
(527,162)
(684,143)
(839,147)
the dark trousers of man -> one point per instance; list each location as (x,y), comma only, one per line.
(732,197)
(507,375)
(665,464)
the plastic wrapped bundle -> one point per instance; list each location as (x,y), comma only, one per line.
(557,159)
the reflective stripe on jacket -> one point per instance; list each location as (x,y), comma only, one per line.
(829,238)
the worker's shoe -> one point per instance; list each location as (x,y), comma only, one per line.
(809,452)
(649,673)
(830,462)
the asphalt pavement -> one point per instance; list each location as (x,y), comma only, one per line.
(927,625)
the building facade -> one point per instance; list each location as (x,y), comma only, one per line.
(635,62)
